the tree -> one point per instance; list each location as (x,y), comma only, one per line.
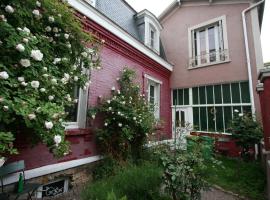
(43,54)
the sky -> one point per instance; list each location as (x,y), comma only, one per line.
(157,6)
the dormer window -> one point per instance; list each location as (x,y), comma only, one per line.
(152,38)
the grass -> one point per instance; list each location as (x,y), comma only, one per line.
(243,178)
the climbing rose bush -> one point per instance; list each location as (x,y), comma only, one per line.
(43,57)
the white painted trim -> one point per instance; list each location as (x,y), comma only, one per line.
(49,169)
(100,19)
(153,79)
(151,16)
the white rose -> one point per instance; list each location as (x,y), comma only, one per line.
(236,111)
(84,54)
(1,99)
(37,55)
(134,118)
(26,30)
(118,91)
(51,97)
(42,89)
(54,81)
(24,84)
(51,19)
(68,45)
(3,18)
(120,125)
(110,108)
(105,124)
(45,75)
(25,40)
(38,4)
(93,116)
(55,30)
(25,62)
(66,35)
(57,139)
(31,116)
(87,84)
(64,81)
(36,12)
(5,108)
(75,100)
(241,115)
(66,75)
(9,9)
(76,78)
(48,29)
(69,99)
(21,79)
(4,75)
(45,69)
(108,101)
(113,88)
(35,84)
(56,60)
(48,125)
(20,48)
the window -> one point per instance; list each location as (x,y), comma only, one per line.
(154,95)
(77,112)
(213,105)
(152,38)
(208,43)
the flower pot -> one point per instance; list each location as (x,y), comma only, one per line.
(2,161)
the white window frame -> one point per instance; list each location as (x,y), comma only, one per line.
(82,109)
(149,26)
(221,32)
(91,2)
(156,83)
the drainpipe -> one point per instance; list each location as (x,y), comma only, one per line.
(248,54)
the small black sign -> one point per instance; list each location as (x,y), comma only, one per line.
(53,189)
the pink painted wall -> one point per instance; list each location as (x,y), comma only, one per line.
(175,40)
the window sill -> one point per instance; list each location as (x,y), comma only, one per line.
(78,131)
(209,64)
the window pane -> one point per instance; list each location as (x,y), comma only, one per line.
(196,122)
(203,46)
(180,97)
(245,92)
(203,118)
(183,120)
(152,95)
(73,110)
(235,93)
(219,119)
(174,97)
(217,89)
(247,109)
(195,48)
(210,97)
(212,44)
(226,93)
(177,120)
(227,116)
(186,96)
(202,95)
(211,119)
(195,95)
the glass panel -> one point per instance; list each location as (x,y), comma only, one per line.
(235,93)
(245,92)
(152,38)
(202,95)
(218,99)
(227,116)
(211,119)
(210,96)
(212,44)
(180,97)
(219,119)
(73,110)
(203,47)
(186,96)
(195,95)
(183,120)
(196,122)
(174,97)
(203,118)
(226,93)
(152,95)
(195,48)
(177,122)
(246,109)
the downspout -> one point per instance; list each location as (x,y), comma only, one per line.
(248,54)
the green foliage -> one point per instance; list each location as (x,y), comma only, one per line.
(244,178)
(6,144)
(136,182)
(43,54)
(127,120)
(111,196)
(247,132)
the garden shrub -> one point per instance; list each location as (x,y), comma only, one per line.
(134,182)
(43,55)
(128,120)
